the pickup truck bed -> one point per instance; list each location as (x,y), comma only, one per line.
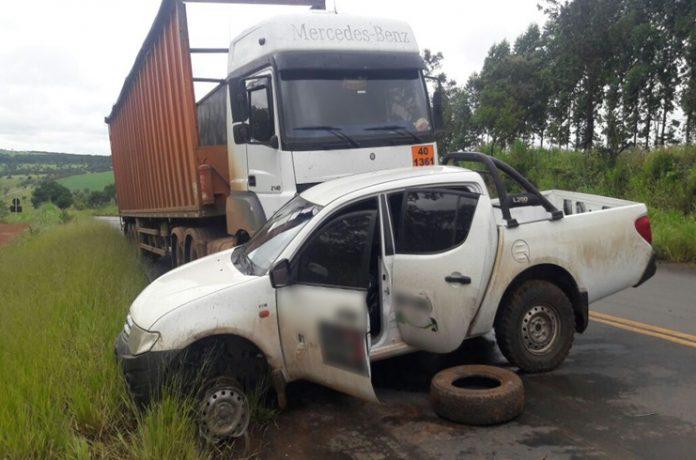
(596,242)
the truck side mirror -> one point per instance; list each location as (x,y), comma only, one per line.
(241,133)
(238,99)
(280,274)
(438,109)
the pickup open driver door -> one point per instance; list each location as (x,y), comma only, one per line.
(445,245)
(322,313)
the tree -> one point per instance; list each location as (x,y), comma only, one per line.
(601,73)
(53,192)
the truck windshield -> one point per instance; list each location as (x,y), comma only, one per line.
(264,248)
(345,109)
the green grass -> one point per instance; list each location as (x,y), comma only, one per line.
(65,291)
(674,235)
(91,181)
(64,294)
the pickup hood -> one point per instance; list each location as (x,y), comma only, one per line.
(188,283)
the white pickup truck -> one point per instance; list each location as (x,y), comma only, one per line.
(376,265)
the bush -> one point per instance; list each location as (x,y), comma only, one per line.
(53,192)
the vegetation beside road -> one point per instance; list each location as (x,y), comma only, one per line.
(66,287)
(65,293)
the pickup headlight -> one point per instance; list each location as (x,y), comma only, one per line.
(139,340)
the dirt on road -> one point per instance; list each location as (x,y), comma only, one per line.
(9,231)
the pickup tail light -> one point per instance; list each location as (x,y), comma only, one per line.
(643,228)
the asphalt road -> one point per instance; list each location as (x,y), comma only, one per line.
(111,220)
(622,393)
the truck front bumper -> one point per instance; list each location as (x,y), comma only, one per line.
(650,270)
(145,373)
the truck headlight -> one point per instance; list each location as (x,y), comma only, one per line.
(140,340)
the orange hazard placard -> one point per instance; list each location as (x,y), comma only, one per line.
(423,155)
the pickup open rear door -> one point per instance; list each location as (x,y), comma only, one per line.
(322,314)
(445,246)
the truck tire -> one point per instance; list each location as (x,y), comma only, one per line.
(477,395)
(535,328)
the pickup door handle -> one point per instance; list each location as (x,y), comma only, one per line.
(457,278)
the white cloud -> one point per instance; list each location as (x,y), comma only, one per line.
(62,63)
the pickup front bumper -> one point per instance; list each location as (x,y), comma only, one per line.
(145,374)
(649,271)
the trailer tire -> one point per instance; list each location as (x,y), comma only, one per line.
(536,326)
(477,394)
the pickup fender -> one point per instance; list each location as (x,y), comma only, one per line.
(234,311)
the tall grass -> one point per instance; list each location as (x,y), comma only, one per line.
(63,298)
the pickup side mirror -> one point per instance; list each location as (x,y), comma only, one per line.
(241,133)
(280,274)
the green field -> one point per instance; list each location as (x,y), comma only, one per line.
(91,181)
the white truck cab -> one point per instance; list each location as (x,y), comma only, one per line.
(318,96)
(375,265)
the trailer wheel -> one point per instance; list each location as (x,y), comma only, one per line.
(535,328)
(477,394)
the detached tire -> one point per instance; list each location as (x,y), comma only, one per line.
(535,328)
(477,395)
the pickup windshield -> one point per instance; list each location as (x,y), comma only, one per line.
(256,257)
(347,109)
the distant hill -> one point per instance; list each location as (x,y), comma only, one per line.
(51,164)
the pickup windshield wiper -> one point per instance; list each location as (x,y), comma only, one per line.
(396,129)
(331,129)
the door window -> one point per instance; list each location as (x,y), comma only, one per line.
(431,221)
(260,114)
(338,254)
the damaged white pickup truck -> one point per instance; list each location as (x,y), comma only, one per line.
(376,265)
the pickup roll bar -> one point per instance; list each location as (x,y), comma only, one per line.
(494,166)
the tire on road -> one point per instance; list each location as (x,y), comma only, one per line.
(477,394)
(536,326)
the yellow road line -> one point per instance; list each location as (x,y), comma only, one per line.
(649,327)
(645,329)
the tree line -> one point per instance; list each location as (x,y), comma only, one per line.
(600,74)
(55,164)
(50,191)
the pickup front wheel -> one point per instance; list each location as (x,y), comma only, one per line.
(535,328)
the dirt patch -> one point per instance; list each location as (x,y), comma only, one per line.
(9,231)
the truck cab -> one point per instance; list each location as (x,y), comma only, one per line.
(318,96)
(303,99)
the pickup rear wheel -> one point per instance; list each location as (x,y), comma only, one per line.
(535,328)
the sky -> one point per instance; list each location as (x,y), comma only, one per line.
(62,63)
